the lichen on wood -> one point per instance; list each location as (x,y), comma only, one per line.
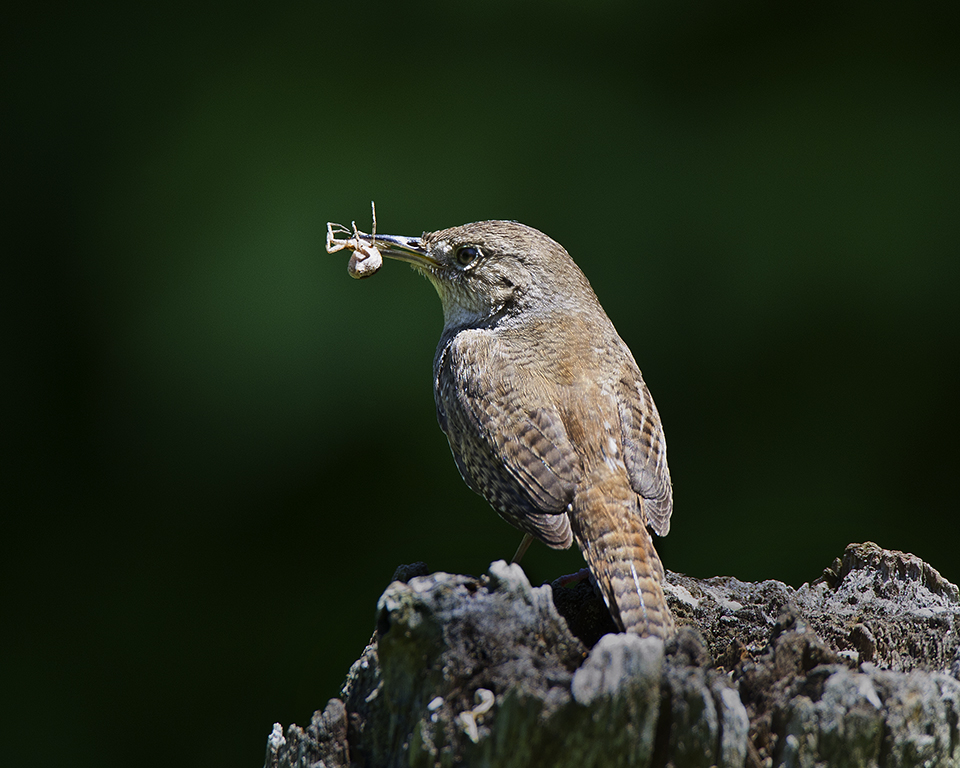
(859,668)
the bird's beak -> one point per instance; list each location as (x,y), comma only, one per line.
(408,249)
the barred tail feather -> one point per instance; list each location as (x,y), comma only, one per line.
(610,530)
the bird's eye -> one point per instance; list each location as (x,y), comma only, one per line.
(467,254)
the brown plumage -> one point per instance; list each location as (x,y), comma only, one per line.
(545,408)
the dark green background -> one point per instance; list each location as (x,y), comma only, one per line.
(220,446)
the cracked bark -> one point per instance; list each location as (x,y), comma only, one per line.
(858,668)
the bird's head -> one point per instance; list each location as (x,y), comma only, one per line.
(491,269)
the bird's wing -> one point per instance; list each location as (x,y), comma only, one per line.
(517,457)
(645,450)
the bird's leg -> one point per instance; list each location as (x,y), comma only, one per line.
(575,578)
(522,549)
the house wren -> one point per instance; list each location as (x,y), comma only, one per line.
(545,408)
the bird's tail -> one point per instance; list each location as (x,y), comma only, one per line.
(613,537)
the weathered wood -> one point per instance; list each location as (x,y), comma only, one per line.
(859,668)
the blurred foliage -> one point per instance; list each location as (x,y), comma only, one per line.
(219,446)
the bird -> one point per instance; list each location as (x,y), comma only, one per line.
(544,407)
